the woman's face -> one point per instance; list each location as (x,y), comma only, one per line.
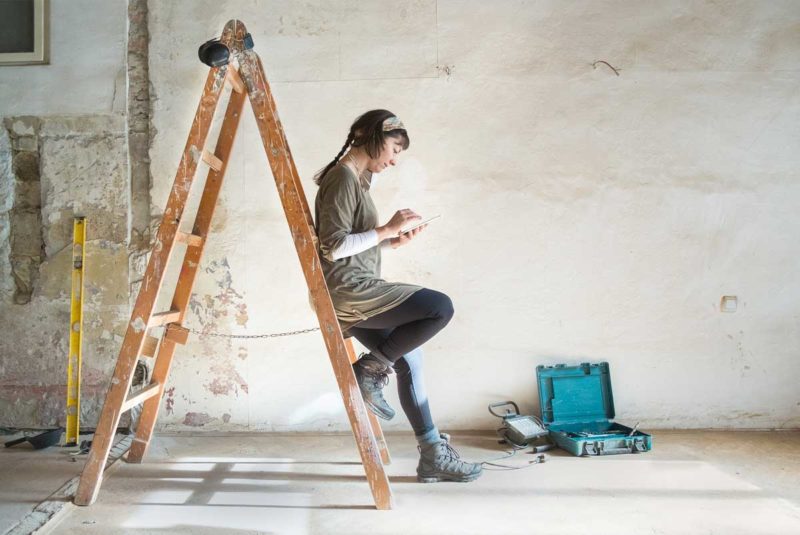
(392,147)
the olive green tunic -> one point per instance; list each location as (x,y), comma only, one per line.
(344,206)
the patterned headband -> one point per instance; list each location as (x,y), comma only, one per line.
(393,123)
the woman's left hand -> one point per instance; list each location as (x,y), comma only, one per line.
(403,239)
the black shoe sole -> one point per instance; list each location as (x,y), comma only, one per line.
(376,411)
(437,478)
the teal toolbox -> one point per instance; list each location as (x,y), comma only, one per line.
(577,408)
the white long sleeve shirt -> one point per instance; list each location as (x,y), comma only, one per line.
(355,243)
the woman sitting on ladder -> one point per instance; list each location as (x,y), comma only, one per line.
(392,320)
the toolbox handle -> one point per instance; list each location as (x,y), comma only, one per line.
(598,448)
(616,451)
(503,404)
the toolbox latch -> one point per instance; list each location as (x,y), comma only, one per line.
(589,448)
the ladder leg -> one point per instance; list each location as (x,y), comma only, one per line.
(191,263)
(298,218)
(92,474)
(147,419)
(373,420)
(106,428)
(356,410)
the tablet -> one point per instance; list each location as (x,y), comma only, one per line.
(417,225)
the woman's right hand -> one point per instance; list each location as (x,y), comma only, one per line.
(399,220)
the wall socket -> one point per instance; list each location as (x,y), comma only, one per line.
(728,303)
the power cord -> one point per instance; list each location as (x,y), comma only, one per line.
(540,458)
(515,448)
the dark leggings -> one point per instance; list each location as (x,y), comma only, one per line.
(395,337)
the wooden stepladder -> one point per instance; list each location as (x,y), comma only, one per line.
(246,75)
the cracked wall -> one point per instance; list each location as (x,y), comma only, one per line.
(20,214)
(63,152)
(83,172)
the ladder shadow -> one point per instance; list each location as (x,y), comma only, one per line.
(174,477)
(403,479)
(339,463)
(204,487)
(332,506)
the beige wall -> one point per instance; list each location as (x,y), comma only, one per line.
(86,73)
(586,216)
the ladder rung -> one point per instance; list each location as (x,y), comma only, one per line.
(177,334)
(235,80)
(213,162)
(193,240)
(143,394)
(162,318)
(149,346)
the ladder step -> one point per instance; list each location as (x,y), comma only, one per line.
(177,334)
(212,161)
(193,240)
(162,318)
(149,346)
(143,394)
(235,80)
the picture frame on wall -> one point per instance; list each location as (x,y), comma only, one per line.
(24,32)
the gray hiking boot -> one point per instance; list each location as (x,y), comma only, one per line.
(440,462)
(372,375)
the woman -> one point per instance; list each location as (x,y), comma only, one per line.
(392,320)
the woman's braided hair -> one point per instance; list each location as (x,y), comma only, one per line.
(319,176)
(366,131)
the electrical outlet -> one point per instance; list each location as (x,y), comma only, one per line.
(728,303)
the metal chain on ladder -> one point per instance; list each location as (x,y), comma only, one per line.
(272,335)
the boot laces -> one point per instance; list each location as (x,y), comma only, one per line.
(377,379)
(380,380)
(450,453)
(446,453)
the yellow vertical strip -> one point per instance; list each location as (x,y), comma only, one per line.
(75,332)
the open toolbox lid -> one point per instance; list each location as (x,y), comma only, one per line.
(575,394)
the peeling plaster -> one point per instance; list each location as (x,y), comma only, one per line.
(214,313)
(197,419)
(169,400)
(77,152)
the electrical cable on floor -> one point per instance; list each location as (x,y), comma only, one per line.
(515,448)
(504,467)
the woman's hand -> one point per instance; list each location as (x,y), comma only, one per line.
(403,239)
(400,219)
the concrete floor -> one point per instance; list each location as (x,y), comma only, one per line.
(27,477)
(692,482)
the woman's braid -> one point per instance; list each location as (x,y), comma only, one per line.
(321,175)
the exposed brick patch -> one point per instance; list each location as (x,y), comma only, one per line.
(20,212)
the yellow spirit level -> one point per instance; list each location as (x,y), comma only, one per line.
(75,333)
